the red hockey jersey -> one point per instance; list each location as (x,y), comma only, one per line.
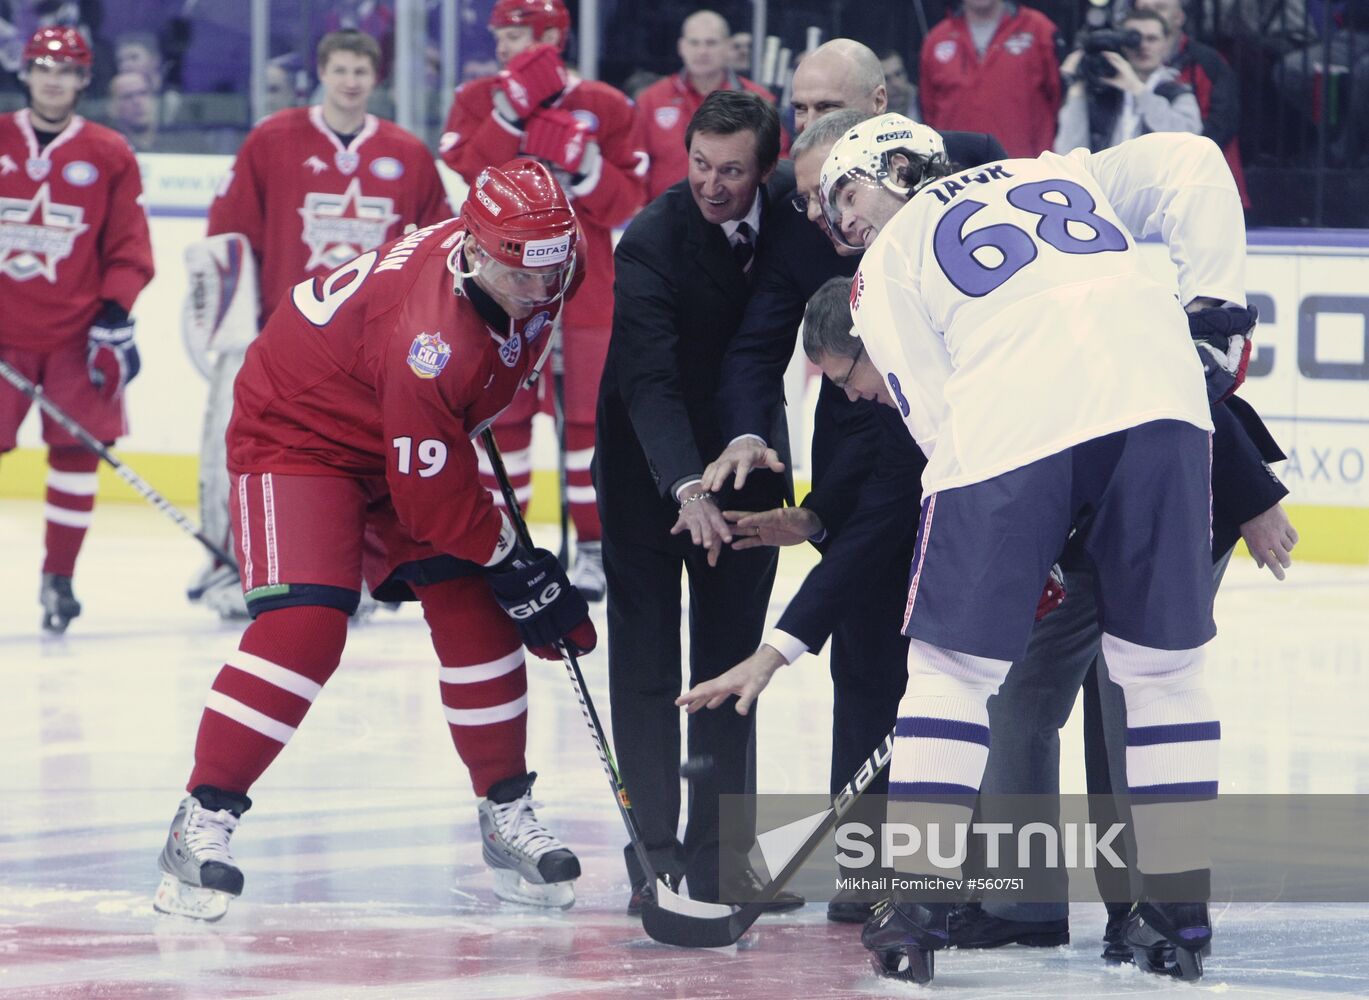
(475,139)
(72,231)
(308,204)
(379,369)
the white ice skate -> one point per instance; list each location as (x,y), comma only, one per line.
(530,865)
(199,876)
(587,575)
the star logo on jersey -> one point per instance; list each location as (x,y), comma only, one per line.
(316,165)
(7,165)
(36,235)
(337,227)
(428,355)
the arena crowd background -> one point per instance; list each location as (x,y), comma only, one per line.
(186,79)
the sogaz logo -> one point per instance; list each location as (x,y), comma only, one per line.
(541,253)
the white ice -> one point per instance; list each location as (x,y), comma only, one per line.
(364,876)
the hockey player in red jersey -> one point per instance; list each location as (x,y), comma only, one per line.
(74,254)
(311,188)
(351,456)
(584,131)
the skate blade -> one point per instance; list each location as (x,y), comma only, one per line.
(910,966)
(177,899)
(1172,962)
(513,888)
(55,624)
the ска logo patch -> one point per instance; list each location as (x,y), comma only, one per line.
(428,355)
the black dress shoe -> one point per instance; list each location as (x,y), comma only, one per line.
(744,886)
(634,902)
(971,927)
(849,911)
(1116,951)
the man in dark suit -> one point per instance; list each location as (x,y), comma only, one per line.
(683,278)
(850,439)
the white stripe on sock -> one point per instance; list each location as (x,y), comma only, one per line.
(478,672)
(275,675)
(249,717)
(580,494)
(69,518)
(487,716)
(78,484)
(581,459)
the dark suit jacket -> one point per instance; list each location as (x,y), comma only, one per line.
(679,298)
(851,441)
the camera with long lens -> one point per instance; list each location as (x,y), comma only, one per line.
(1094,67)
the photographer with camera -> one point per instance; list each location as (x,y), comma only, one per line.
(1118,87)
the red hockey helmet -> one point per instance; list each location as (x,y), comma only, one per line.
(539,15)
(57,45)
(519,215)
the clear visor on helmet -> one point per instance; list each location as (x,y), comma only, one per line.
(840,207)
(523,286)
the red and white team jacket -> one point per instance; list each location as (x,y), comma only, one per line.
(1012,92)
(663,113)
(308,204)
(381,369)
(475,139)
(72,231)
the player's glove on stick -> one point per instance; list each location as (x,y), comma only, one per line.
(1054,594)
(111,356)
(561,139)
(533,590)
(531,78)
(1222,337)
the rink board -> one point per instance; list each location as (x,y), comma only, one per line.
(1309,377)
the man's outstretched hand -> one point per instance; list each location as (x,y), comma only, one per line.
(738,460)
(746,680)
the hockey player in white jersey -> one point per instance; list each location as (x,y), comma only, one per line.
(1053,384)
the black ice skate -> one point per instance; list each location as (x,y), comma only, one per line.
(59,603)
(1169,939)
(902,938)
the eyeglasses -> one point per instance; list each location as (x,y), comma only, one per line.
(846,379)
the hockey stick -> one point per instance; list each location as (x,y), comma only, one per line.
(164,505)
(558,398)
(666,916)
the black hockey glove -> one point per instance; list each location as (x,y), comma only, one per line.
(1222,337)
(533,590)
(111,356)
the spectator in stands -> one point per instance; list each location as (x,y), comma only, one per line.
(1214,84)
(665,108)
(133,109)
(139,52)
(1327,79)
(994,66)
(740,52)
(287,85)
(1128,95)
(902,93)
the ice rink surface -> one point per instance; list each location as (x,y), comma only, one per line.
(361,853)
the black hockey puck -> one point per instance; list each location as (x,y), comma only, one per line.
(697,767)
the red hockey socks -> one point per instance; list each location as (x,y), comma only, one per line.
(515,446)
(70,504)
(484,682)
(584,511)
(263,692)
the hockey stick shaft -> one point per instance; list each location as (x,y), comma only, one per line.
(139,485)
(582,695)
(558,400)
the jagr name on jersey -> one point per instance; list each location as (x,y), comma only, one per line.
(947,188)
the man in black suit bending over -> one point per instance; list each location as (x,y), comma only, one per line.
(684,271)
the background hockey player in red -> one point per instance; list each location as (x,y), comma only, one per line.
(350,454)
(311,188)
(583,130)
(74,254)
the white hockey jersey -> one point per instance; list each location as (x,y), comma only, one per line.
(1011,316)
